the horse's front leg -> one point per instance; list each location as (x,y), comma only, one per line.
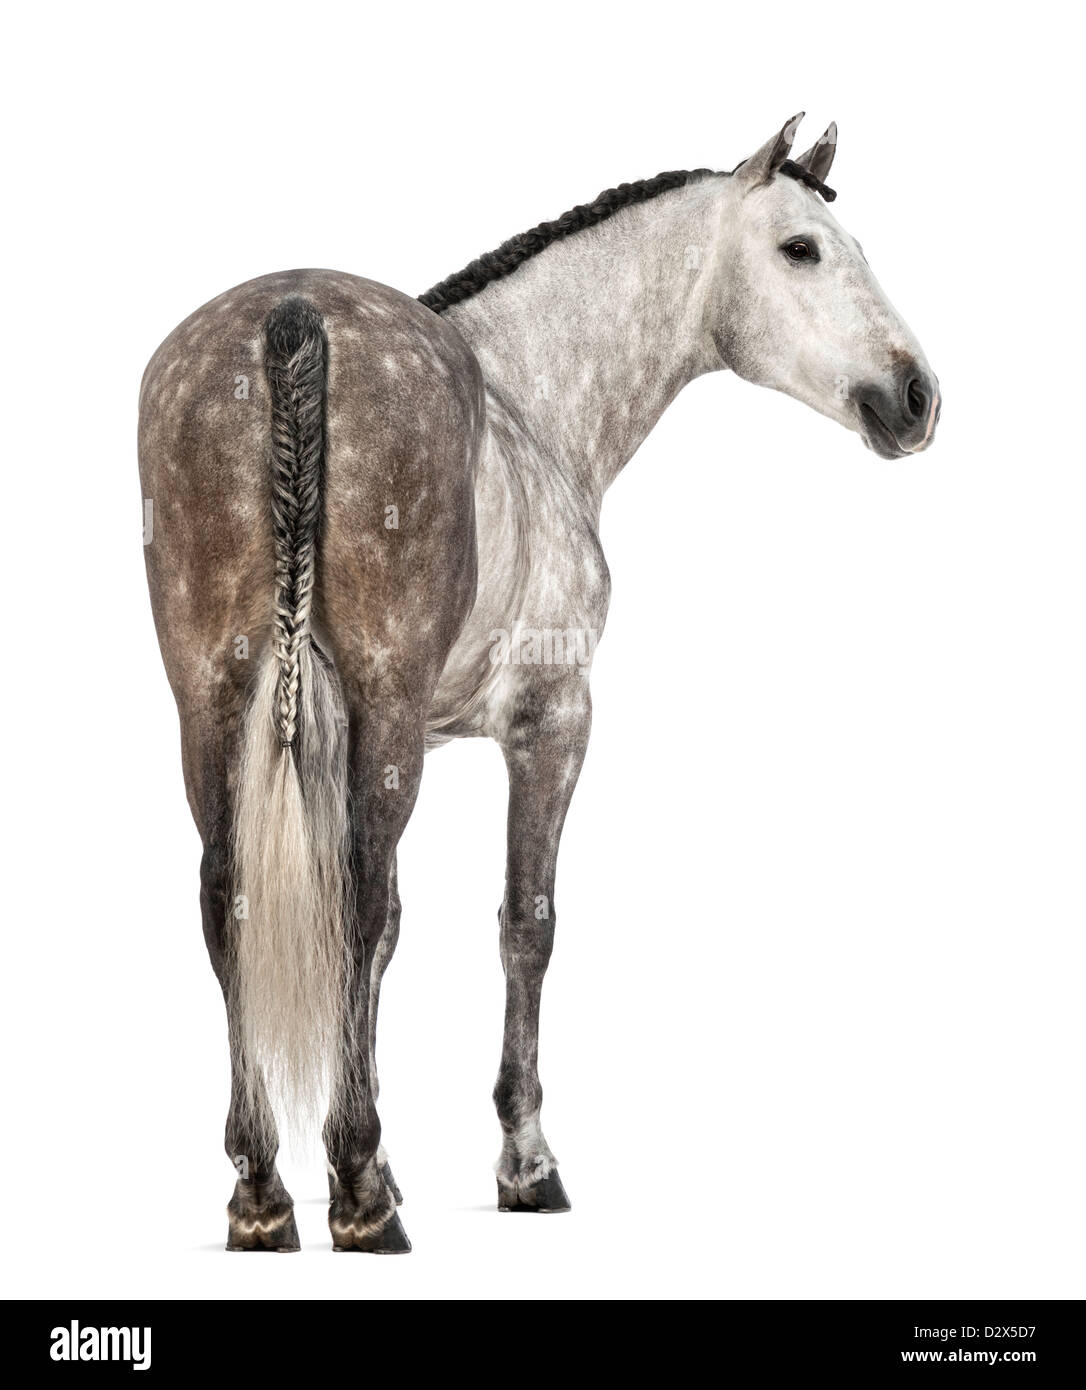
(544,749)
(381,957)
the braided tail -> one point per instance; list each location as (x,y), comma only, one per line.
(295,365)
(290,961)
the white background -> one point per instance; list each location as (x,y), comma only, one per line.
(813,1026)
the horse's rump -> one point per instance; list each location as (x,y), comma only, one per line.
(308,442)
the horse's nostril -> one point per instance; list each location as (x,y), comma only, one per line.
(917,399)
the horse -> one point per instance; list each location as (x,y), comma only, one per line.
(376,530)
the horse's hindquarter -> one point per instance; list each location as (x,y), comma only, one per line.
(398,555)
(404,418)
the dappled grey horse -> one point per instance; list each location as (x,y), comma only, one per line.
(374,529)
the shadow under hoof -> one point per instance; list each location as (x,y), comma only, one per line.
(279,1235)
(545,1196)
(389,1239)
(390,1182)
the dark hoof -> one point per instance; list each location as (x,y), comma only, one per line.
(390,1239)
(390,1182)
(546,1195)
(280,1236)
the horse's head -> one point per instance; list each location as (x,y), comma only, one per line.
(799,309)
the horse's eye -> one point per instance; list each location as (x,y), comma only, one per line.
(800,250)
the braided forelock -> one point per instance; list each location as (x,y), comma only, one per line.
(796,171)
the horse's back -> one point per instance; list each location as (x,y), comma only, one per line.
(403,420)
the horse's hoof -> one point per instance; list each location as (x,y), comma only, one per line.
(389,1239)
(390,1183)
(280,1236)
(546,1195)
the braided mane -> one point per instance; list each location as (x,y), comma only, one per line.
(511,254)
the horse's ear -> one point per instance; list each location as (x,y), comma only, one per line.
(762,164)
(819,158)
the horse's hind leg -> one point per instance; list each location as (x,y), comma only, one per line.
(382,954)
(385,767)
(261,1212)
(388,658)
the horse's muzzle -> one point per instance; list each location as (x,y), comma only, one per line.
(902,421)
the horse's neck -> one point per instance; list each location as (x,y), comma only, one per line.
(591,340)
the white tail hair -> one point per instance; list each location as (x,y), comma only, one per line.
(291,966)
